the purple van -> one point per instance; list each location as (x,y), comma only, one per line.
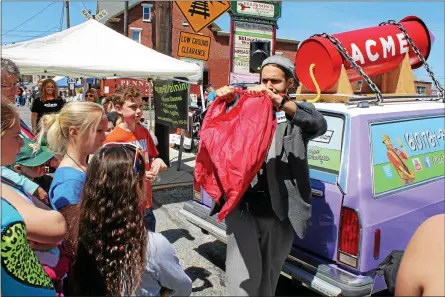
(376,175)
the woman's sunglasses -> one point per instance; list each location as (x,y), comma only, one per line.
(131,146)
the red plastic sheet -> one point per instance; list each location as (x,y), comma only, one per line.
(233,146)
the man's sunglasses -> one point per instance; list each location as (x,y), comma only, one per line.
(89,95)
(131,146)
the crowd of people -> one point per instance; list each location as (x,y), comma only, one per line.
(90,229)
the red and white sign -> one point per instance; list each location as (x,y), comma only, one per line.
(144,86)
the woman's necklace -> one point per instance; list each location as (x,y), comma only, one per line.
(78,165)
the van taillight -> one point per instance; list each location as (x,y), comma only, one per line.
(349,237)
(376,244)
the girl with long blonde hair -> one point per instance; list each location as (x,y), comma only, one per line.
(76,132)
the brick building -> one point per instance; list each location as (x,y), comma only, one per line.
(423,87)
(140,29)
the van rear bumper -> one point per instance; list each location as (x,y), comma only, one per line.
(325,278)
(198,214)
(322,277)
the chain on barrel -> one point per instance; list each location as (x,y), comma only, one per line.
(363,53)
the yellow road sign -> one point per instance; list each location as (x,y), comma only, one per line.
(200,14)
(193,46)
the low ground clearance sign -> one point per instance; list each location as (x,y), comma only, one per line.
(194,46)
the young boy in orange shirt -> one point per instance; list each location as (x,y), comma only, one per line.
(128,104)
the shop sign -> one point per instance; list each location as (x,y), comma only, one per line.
(264,9)
(244,33)
(171,103)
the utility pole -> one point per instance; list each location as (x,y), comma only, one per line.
(67,9)
(126,19)
(163,27)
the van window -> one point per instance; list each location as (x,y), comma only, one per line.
(407,152)
(324,152)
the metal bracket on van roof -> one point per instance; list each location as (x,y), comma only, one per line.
(395,99)
(371,100)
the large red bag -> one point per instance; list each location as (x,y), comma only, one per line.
(233,146)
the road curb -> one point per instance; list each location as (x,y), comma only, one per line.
(171,186)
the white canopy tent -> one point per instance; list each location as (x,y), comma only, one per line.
(91,49)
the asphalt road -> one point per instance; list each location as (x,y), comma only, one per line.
(201,255)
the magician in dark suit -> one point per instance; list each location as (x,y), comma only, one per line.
(278,202)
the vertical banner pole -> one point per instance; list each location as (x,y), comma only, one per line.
(181,142)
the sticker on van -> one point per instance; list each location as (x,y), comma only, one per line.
(324,152)
(407,152)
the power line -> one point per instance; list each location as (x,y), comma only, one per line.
(28,31)
(34,37)
(86,8)
(30,18)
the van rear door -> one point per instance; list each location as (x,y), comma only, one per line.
(325,157)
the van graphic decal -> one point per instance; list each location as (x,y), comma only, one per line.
(407,152)
(324,152)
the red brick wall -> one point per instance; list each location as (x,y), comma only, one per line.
(427,85)
(218,63)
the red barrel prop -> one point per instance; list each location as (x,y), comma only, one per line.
(377,50)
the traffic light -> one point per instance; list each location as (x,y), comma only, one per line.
(259,51)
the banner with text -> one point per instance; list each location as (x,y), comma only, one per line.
(324,152)
(243,34)
(171,103)
(407,152)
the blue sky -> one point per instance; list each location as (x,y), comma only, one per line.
(299,21)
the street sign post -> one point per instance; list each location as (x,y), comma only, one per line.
(72,80)
(103,13)
(86,14)
(194,46)
(200,14)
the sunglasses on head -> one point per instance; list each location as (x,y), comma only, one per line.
(131,146)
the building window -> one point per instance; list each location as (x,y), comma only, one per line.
(421,90)
(146,12)
(136,34)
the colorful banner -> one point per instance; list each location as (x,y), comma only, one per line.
(244,33)
(236,78)
(324,152)
(407,152)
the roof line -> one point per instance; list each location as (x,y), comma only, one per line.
(122,11)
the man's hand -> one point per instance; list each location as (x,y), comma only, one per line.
(42,195)
(150,176)
(158,166)
(226,93)
(260,90)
